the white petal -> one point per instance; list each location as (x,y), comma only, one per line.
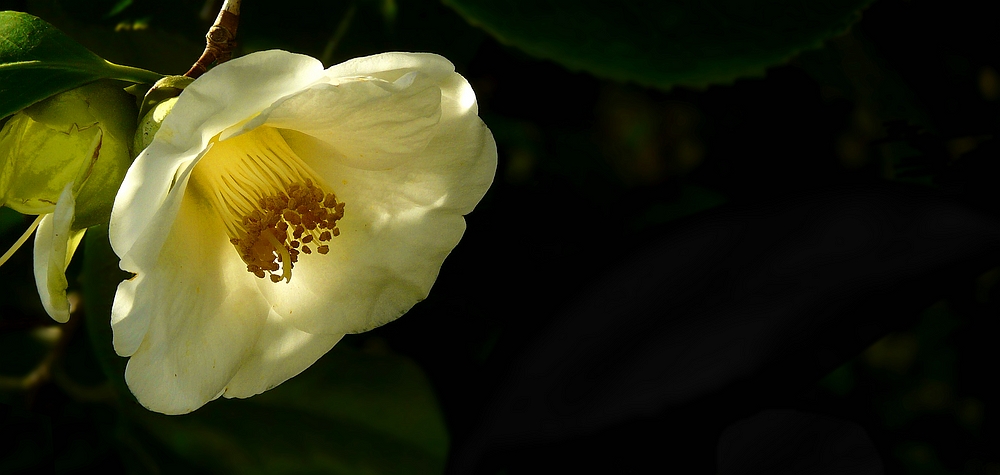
(399,224)
(463,147)
(198,311)
(55,244)
(129,328)
(228,94)
(370,123)
(233,92)
(391,66)
(281,352)
(365,280)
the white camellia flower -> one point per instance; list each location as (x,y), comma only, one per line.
(281,206)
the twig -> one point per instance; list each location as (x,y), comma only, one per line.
(220,40)
(102,392)
(43,372)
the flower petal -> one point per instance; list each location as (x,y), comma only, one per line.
(371,123)
(129,328)
(55,244)
(281,352)
(367,279)
(399,224)
(228,94)
(193,310)
(391,66)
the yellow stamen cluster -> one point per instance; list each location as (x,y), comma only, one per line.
(284,222)
(272,204)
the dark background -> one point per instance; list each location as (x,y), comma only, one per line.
(651,267)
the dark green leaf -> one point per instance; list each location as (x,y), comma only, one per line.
(663,43)
(351,412)
(38,61)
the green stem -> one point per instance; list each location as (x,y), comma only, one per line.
(136,75)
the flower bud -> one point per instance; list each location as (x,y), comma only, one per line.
(155,107)
(81,136)
(151,123)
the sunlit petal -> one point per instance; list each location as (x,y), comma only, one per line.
(202,320)
(281,352)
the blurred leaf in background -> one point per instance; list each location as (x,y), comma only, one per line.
(663,44)
(353,412)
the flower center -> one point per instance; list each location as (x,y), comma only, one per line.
(273,205)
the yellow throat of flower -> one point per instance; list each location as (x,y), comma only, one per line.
(273,205)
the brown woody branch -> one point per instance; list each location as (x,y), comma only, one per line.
(220,40)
